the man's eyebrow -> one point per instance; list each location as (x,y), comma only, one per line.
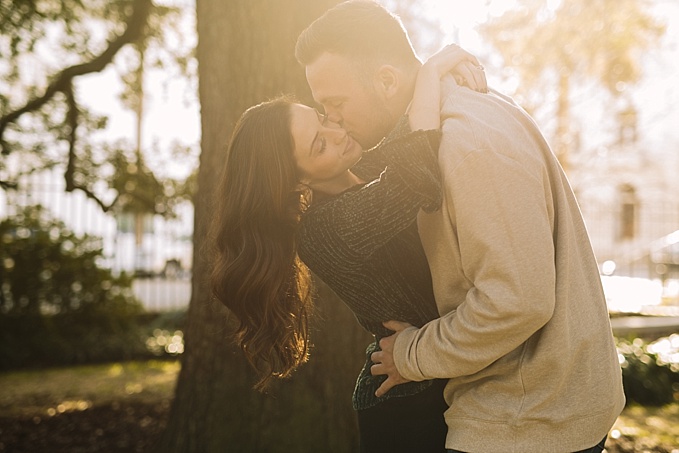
(322,117)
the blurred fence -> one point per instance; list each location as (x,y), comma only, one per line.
(638,250)
(641,239)
(157,251)
(637,247)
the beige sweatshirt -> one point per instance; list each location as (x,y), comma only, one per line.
(524,333)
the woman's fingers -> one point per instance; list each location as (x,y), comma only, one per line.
(479,76)
(464,66)
(472,76)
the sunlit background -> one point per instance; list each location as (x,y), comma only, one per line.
(605,98)
(619,145)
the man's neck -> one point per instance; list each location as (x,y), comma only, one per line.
(402,102)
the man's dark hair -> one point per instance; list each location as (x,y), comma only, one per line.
(359,29)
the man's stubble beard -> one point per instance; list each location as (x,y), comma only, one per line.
(383,121)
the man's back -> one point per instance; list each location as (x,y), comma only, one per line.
(527,339)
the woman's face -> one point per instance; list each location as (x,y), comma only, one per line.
(324,152)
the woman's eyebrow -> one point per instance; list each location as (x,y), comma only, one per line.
(311,147)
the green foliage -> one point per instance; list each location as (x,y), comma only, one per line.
(601,39)
(141,191)
(85,337)
(59,306)
(47,269)
(165,334)
(552,47)
(650,370)
(76,30)
(88,336)
(26,21)
(45,46)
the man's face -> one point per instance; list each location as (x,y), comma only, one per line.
(349,100)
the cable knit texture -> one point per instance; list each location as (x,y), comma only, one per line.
(365,246)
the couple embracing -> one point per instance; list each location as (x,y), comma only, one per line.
(436,210)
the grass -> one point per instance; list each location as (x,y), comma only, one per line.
(652,429)
(49,393)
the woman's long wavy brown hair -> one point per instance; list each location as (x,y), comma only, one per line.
(257,273)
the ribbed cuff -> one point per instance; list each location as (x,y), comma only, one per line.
(405,357)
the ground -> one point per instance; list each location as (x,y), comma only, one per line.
(111,428)
(112,408)
(116,408)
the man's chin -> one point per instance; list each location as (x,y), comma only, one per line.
(372,137)
(365,143)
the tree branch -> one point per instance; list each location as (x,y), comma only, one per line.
(136,22)
(6,185)
(93,196)
(69,175)
(72,122)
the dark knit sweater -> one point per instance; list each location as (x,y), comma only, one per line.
(365,246)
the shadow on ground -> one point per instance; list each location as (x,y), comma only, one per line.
(112,428)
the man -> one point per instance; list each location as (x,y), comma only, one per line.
(524,335)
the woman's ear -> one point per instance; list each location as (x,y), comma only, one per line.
(387,79)
(305,191)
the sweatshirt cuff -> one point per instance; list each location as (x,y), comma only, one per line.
(405,357)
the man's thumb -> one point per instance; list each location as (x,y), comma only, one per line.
(396,326)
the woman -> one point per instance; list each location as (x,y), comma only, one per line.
(300,194)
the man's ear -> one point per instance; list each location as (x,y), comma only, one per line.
(387,81)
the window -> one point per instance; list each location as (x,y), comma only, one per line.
(628,213)
(628,126)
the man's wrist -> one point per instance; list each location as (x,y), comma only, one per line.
(404,356)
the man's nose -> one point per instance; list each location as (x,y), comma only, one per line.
(334,116)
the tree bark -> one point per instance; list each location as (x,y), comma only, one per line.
(246,55)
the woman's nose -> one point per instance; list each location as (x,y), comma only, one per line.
(334,117)
(338,133)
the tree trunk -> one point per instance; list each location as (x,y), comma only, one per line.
(246,55)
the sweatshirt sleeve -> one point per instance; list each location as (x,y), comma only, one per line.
(358,222)
(499,211)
